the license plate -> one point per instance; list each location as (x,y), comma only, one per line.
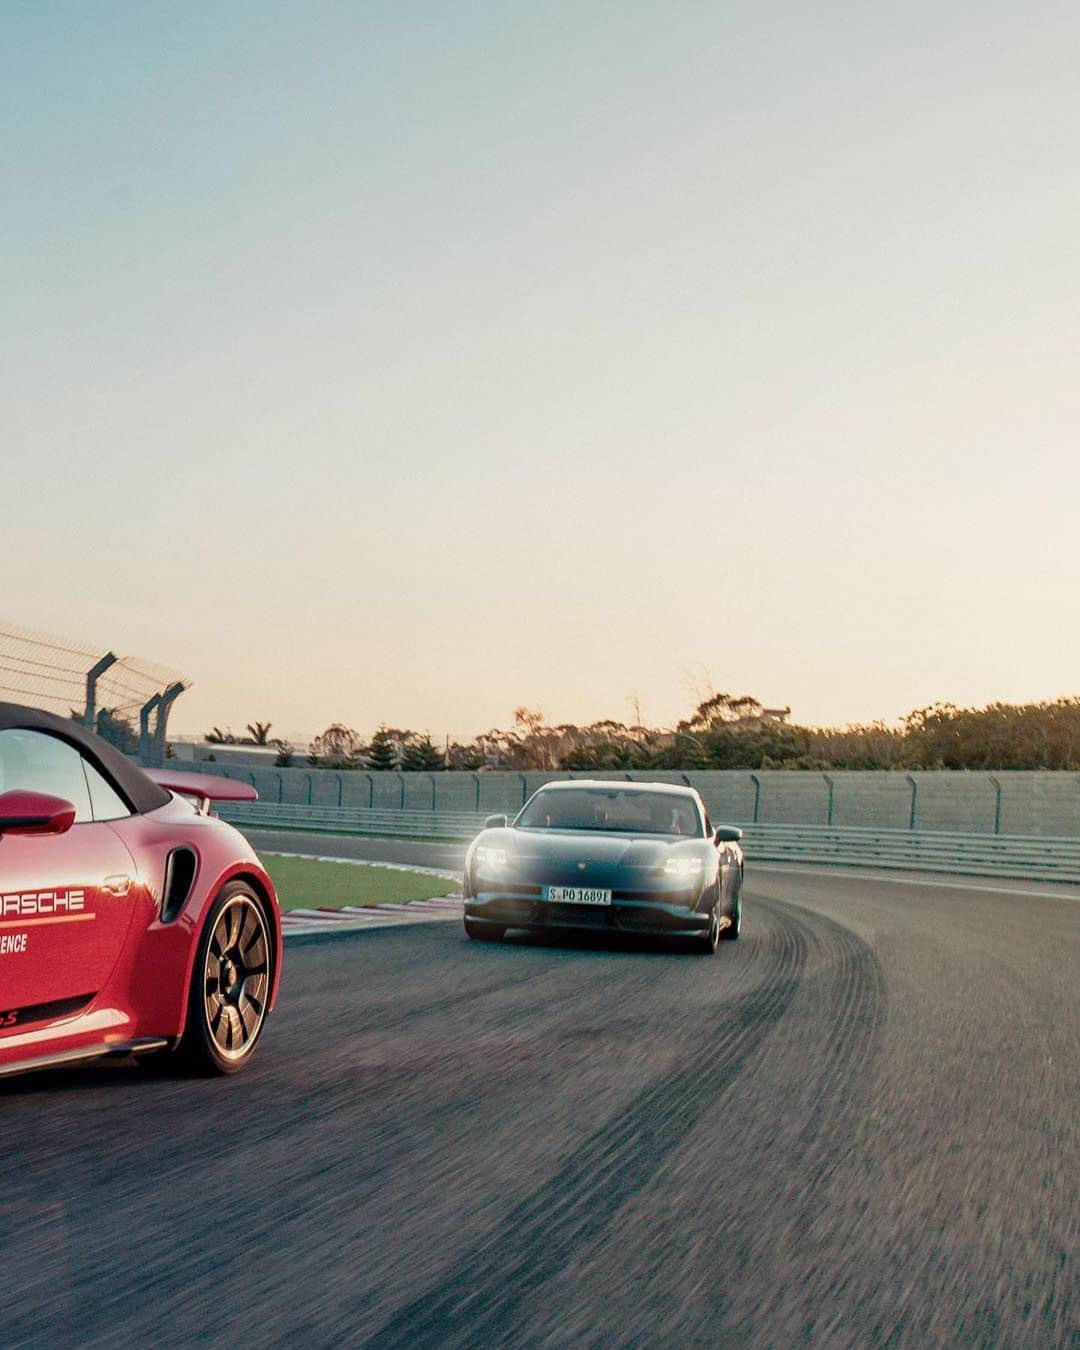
(576,895)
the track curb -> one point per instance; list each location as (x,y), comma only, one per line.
(329,920)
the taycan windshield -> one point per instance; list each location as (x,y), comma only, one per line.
(613,810)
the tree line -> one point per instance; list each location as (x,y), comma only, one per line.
(723,732)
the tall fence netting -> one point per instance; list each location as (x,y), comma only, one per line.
(121,696)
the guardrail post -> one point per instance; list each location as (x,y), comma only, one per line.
(432,777)
(832,787)
(524,789)
(310,788)
(371,791)
(280,787)
(914,800)
(997,804)
(340,790)
(477,777)
(757,795)
(402,777)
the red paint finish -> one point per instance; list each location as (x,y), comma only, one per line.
(203,785)
(34,813)
(80,917)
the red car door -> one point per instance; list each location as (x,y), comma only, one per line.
(67,900)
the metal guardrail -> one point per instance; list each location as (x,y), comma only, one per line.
(1026,857)
(455,825)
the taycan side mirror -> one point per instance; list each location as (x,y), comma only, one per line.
(34,813)
(727,834)
(495,823)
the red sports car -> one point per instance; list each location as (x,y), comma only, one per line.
(131,920)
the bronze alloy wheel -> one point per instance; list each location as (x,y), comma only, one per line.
(236,979)
(230,983)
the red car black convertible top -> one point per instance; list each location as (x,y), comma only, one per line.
(140,793)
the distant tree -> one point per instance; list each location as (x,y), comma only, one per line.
(723,710)
(118,729)
(420,755)
(539,745)
(218,737)
(382,750)
(285,755)
(466,757)
(337,747)
(258,733)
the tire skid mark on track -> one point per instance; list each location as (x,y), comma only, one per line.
(703,1217)
(845,1032)
(577,1204)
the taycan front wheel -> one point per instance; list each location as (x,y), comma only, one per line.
(734,928)
(708,943)
(230,984)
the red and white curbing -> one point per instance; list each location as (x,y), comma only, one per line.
(352,917)
(324,919)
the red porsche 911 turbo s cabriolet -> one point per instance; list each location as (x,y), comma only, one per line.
(132,921)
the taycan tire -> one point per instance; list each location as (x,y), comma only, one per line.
(707,945)
(230,983)
(483,932)
(731,932)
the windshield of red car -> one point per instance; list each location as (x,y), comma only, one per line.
(614,810)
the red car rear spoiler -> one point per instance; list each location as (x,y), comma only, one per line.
(203,786)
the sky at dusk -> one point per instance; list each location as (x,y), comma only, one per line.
(408,362)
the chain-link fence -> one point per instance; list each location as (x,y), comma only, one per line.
(123,698)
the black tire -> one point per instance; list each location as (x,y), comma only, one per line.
(483,932)
(228,997)
(732,931)
(707,945)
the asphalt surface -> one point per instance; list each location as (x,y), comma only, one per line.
(858,1125)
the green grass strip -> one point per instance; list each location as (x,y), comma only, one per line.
(304,883)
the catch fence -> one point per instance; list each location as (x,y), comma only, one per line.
(125,699)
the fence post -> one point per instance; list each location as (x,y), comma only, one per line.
(310,789)
(832,786)
(914,799)
(144,728)
(432,777)
(371,790)
(997,804)
(402,777)
(340,790)
(757,795)
(477,777)
(524,789)
(92,676)
(280,788)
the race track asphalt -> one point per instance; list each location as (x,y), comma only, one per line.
(858,1125)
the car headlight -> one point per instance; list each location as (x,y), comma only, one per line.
(486,856)
(683,867)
